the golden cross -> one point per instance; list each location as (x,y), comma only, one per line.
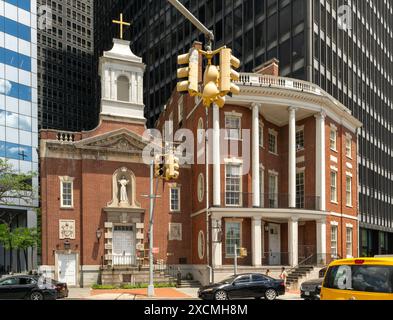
(121,23)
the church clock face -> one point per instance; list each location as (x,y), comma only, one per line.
(201,187)
(200,132)
(201,245)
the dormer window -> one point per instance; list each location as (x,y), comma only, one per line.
(123,89)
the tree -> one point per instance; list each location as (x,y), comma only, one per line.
(23,239)
(15,187)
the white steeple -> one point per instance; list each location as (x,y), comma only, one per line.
(121,73)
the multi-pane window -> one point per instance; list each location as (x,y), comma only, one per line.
(232,238)
(300,140)
(273,142)
(233,127)
(349,191)
(333,186)
(262,186)
(300,190)
(333,139)
(348,147)
(232,185)
(273,187)
(66,194)
(174,199)
(333,241)
(261,135)
(349,241)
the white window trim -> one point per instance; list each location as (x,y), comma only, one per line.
(333,128)
(170,199)
(335,200)
(276,175)
(275,134)
(66,179)
(261,129)
(299,129)
(348,138)
(262,186)
(241,236)
(240,165)
(349,205)
(346,242)
(233,115)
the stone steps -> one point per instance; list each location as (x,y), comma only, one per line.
(189,284)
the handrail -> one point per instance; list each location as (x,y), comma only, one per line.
(302,262)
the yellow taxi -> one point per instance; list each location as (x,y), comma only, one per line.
(359,279)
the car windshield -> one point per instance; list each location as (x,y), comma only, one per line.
(228,280)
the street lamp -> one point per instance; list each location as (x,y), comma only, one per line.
(98,234)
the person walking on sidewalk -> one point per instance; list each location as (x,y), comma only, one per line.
(284,275)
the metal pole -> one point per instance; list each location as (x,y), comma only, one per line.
(235,264)
(207,199)
(184,11)
(150,289)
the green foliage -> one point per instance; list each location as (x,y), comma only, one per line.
(14,185)
(5,236)
(132,286)
(24,238)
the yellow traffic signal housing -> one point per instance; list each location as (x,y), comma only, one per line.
(172,167)
(188,75)
(159,163)
(210,85)
(243,252)
(227,74)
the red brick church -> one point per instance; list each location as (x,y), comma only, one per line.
(296,200)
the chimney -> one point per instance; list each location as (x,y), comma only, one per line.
(271,68)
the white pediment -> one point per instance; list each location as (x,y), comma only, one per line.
(122,140)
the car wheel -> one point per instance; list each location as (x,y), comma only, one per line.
(270,294)
(221,295)
(36,296)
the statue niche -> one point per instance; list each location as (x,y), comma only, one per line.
(123,189)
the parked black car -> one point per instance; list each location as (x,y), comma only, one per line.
(61,288)
(253,285)
(311,290)
(27,288)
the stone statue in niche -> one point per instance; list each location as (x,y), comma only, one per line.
(123,190)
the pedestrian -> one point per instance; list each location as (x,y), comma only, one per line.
(268,272)
(284,276)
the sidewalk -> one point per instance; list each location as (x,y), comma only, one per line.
(131,294)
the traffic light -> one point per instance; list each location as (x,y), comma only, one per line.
(188,75)
(171,167)
(159,164)
(210,85)
(227,74)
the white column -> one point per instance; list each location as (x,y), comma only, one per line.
(293,241)
(321,241)
(320,173)
(256,193)
(216,246)
(216,157)
(292,158)
(256,241)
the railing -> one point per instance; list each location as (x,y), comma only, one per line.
(121,260)
(259,80)
(268,201)
(65,136)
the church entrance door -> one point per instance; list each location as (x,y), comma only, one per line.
(67,268)
(123,246)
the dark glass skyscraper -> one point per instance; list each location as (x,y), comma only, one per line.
(66,67)
(346,47)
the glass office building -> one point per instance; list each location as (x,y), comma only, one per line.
(353,64)
(18,111)
(66,69)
